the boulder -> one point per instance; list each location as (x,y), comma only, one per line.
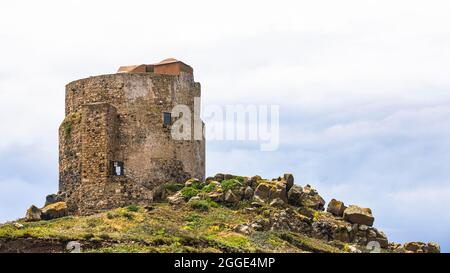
(54,211)
(305,197)
(278,203)
(289,178)
(267,191)
(432,248)
(159,193)
(253,182)
(262,193)
(53,198)
(228,176)
(230,197)
(248,193)
(191,182)
(216,196)
(279,191)
(336,207)
(219,177)
(176,199)
(358,215)
(312,199)
(295,196)
(243,229)
(195,198)
(33,214)
(419,247)
(353,249)
(259,225)
(18,225)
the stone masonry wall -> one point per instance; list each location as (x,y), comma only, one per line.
(119,117)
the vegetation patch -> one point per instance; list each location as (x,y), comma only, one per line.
(133,208)
(230,184)
(308,244)
(174,187)
(203,205)
(69,122)
(189,192)
(209,188)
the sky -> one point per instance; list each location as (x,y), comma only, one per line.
(363,89)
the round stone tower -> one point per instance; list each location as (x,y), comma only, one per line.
(116,146)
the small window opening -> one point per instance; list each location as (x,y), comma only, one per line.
(117,168)
(167,119)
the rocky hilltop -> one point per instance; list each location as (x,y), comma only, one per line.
(225,213)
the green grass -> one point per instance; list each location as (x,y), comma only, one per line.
(189,192)
(309,244)
(194,227)
(230,184)
(133,208)
(209,188)
(68,128)
(203,205)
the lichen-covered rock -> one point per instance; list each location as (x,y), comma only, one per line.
(262,192)
(230,197)
(243,229)
(219,177)
(289,178)
(33,214)
(176,199)
(253,182)
(432,248)
(269,190)
(54,198)
(18,225)
(322,230)
(336,207)
(54,211)
(358,215)
(420,247)
(195,198)
(191,182)
(305,197)
(277,202)
(216,196)
(312,199)
(228,176)
(378,236)
(342,233)
(279,191)
(248,193)
(295,196)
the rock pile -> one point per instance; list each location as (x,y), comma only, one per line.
(290,207)
(415,247)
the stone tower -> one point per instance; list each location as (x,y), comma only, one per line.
(116,146)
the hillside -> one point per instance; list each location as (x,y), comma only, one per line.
(225,214)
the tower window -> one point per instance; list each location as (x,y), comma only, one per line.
(167,119)
(117,168)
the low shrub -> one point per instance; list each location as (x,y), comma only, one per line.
(209,188)
(230,184)
(200,205)
(189,192)
(203,205)
(133,208)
